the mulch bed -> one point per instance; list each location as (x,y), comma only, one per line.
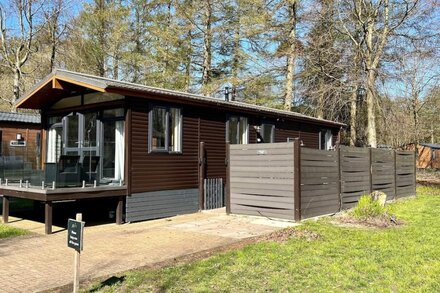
(289,233)
(382,222)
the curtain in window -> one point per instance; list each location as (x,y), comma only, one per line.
(119,150)
(53,145)
(175,130)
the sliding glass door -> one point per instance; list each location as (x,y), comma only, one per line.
(80,135)
(91,134)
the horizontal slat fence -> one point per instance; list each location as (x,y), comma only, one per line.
(355,174)
(266,179)
(405,173)
(261,180)
(319,182)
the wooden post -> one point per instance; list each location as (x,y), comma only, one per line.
(395,174)
(228,179)
(415,171)
(119,210)
(5,209)
(201,174)
(76,264)
(297,179)
(48,217)
(371,169)
(338,157)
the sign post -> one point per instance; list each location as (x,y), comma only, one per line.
(75,232)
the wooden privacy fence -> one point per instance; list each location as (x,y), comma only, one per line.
(285,181)
(261,180)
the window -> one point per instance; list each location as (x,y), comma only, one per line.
(237,130)
(267,133)
(165,131)
(325,139)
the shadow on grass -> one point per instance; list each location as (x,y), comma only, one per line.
(109,282)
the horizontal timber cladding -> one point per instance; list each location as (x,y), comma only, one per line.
(162,171)
(383,171)
(161,204)
(261,180)
(355,174)
(319,182)
(213,134)
(405,174)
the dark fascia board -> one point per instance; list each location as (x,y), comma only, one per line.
(127,88)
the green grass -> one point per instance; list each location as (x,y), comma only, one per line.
(8,231)
(400,259)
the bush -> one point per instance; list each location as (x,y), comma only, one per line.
(368,208)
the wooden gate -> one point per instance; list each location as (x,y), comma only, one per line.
(213,193)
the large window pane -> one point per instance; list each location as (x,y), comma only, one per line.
(233,130)
(158,127)
(267,133)
(90,129)
(72,131)
(175,130)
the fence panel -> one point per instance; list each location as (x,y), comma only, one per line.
(383,171)
(213,193)
(405,174)
(261,180)
(355,174)
(319,182)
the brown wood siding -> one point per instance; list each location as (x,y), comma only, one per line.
(160,171)
(213,134)
(163,171)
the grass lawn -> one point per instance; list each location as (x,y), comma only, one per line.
(399,259)
(8,231)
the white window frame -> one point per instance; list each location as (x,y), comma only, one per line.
(167,148)
(328,139)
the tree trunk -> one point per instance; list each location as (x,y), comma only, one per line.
(291,57)
(16,87)
(207,54)
(371,109)
(320,110)
(353,116)
(236,57)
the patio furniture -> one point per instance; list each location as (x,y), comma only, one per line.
(89,169)
(68,171)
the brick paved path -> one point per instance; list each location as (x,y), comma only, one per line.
(40,262)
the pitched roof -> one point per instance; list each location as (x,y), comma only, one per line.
(20,117)
(432,145)
(106,84)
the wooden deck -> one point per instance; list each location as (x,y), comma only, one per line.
(49,195)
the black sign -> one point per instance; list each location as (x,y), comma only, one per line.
(75,231)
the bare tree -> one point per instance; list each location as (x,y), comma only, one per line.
(291,55)
(376,21)
(17,47)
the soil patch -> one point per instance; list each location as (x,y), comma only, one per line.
(382,222)
(289,233)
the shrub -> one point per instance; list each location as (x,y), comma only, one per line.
(368,208)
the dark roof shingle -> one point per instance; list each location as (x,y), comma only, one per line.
(20,117)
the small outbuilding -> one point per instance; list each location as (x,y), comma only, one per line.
(428,156)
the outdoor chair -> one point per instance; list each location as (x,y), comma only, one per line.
(68,171)
(90,169)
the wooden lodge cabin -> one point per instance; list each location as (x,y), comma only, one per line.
(428,155)
(151,147)
(20,135)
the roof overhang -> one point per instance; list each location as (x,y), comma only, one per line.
(53,88)
(62,83)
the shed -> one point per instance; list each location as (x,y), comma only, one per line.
(428,156)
